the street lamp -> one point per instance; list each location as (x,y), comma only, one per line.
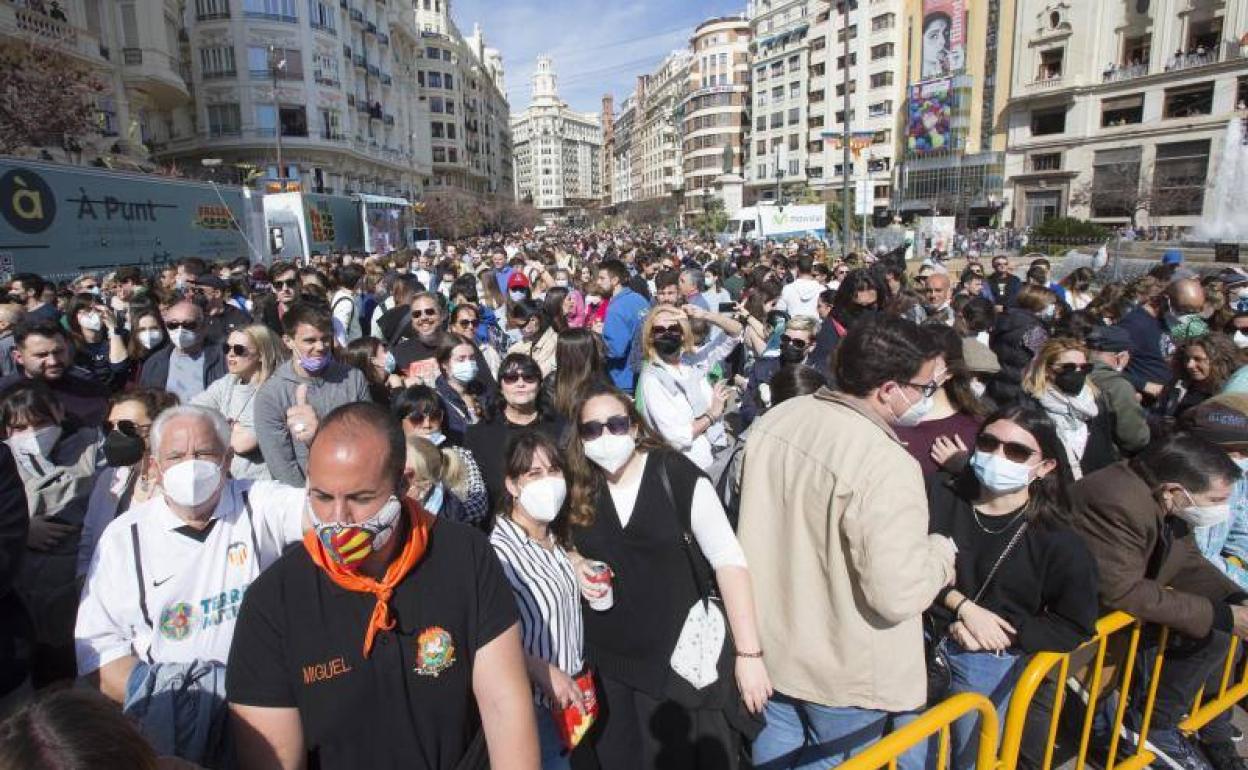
(845,161)
(277,64)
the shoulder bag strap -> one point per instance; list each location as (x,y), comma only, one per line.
(702,582)
(251,525)
(1005,552)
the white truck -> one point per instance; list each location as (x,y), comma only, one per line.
(769,222)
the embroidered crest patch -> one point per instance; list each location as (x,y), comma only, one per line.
(175,621)
(435,651)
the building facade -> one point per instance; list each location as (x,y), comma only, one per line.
(656,160)
(1119,108)
(622,152)
(369,95)
(714,113)
(953,131)
(780,59)
(558,162)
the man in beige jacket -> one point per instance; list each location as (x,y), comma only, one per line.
(835,528)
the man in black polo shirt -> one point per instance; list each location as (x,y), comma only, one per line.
(390,639)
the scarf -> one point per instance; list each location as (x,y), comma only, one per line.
(413,550)
(1070,415)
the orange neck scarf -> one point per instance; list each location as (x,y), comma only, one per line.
(417,540)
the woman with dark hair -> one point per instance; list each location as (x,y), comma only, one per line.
(653,518)
(421,414)
(1112,303)
(529,537)
(580,360)
(1078,286)
(98,345)
(371,356)
(1202,368)
(858,298)
(519,407)
(457,383)
(1019,334)
(537,335)
(1022,581)
(951,424)
(555,306)
(76,728)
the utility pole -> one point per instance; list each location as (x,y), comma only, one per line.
(846,211)
(274,66)
(868,191)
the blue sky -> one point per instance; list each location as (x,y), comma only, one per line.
(598,47)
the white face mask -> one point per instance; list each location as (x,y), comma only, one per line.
(37,442)
(183,338)
(464,371)
(91,322)
(1203,515)
(151,338)
(516,296)
(915,413)
(610,452)
(978,388)
(191,483)
(543,498)
(1241,340)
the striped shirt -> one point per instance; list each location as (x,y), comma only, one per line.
(547,595)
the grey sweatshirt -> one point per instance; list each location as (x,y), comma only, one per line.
(286,456)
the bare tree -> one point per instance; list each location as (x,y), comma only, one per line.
(47,98)
(1115,190)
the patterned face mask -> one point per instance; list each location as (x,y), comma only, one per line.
(349,544)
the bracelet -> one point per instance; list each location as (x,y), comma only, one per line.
(958,609)
(758,654)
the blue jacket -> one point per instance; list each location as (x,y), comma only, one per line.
(625,314)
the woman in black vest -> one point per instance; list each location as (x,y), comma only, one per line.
(649,514)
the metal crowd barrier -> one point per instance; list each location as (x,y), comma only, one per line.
(1100,673)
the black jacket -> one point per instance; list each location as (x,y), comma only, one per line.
(217,328)
(1016,338)
(155,372)
(14,521)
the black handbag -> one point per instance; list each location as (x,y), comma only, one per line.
(939,673)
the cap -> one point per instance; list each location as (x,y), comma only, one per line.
(1109,339)
(211,281)
(518,280)
(1172,257)
(1221,420)
(978,357)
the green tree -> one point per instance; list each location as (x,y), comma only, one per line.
(713,218)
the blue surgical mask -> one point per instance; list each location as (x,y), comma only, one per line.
(433,501)
(437,438)
(390,363)
(999,474)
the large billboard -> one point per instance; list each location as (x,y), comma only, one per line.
(944,38)
(929,117)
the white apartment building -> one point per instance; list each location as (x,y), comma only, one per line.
(1119,108)
(622,152)
(656,161)
(876,68)
(715,110)
(780,46)
(557,150)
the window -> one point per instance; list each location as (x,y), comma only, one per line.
(330,124)
(325,68)
(880,109)
(882,51)
(1046,161)
(1135,50)
(278,10)
(853,61)
(450,106)
(436,105)
(446,55)
(204,9)
(1241,97)
(777,119)
(1179,178)
(883,21)
(1051,64)
(294,121)
(1127,110)
(224,119)
(760,123)
(439,154)
(266,118)
(795,167)
(450,130)
(288,62)
(1189,101)
(853,33)
(438,130)
(760,148)
(322,15)
(217,61)
(434,79)
(853,88)
(762,99)
(777,93)
(815,147)
(795,90)
(1116,182)
(760,74)
(431,52)
(795,115)
(793,140)
(882,79)
(818,43)
(795,62)
(447,82)
(1048,122)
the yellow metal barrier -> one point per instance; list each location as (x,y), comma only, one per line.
(1204,713)
(938,719)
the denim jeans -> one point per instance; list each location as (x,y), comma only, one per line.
(807,736)
(553,755)
(988,674)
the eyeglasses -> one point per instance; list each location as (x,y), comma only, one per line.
(292,283)
(242,351)
(1014,451)
(794,341)
(1072,368)
(188,325)
(429,312)
(467,323)
(928,389)
(128,427)
(660,331)
(617,426)
(512,377)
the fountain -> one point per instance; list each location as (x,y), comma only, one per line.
(1227,221)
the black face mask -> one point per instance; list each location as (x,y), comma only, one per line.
(669,344)
(791,355)
(122,449)
(1070,383)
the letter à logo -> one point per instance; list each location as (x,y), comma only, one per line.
(26,201)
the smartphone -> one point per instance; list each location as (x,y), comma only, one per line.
(727,307)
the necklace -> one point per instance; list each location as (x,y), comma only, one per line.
(1013,518)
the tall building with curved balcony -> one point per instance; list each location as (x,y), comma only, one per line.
(715,111)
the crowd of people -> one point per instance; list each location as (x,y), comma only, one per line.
(617,499)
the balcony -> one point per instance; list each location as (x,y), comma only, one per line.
(373,70)
(324,28)
(157,74)
(386,79)
(357,16)
(229,74)
(359,61)
(1126,72)
(1228,51)
(327,81)
(332,136)
(370,27)
(213,15)
(271,17)
(132,55)
(1046,82)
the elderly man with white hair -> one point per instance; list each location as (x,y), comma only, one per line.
(166,582)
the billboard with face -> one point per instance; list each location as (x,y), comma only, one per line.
(944,38)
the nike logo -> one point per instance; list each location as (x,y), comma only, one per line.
(159,583)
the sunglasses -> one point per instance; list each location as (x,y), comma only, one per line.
(661,331)
(128,427)
(794,341)
(617,426)
(1072,368)
(511,378)
(467,323)
(188,325)
(288,284)
(242,351)
(429,312)
(1014,451)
